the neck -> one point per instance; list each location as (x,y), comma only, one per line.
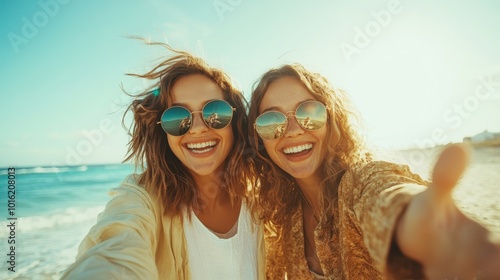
(210,191)
(311,192)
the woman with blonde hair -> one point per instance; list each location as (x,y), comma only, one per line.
(333,212)
(186,215)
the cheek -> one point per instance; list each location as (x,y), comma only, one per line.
(332,126)
(335,135)
(329,140)
(229,138)
(270,149)
(172,142)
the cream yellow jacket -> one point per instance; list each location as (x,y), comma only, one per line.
(133,240)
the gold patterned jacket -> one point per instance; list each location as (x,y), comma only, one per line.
(360,244)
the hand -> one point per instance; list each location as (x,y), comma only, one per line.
(434,232)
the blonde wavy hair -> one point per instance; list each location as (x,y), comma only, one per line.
(162,173)
(278,194)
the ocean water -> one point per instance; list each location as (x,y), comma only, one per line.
(56,206)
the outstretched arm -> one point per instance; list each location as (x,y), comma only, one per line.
(434,232)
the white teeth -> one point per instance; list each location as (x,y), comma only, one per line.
(208,144)
(297,149)
(202,151)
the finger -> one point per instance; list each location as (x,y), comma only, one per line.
(449,168)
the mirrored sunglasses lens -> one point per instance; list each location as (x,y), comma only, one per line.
(311,115)
(217,114)
(176,121)
(271,125)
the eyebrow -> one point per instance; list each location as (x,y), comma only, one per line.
(274,108)
(185,105)
(277,108)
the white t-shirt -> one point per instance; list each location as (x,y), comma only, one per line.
(211,257)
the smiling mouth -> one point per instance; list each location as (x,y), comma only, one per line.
(203,147)
(297,149)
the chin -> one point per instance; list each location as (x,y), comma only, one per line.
(300,174)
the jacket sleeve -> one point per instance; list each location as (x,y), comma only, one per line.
(122,243)
(382,192)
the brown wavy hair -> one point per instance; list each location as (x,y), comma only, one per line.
(278,194)
(162,173)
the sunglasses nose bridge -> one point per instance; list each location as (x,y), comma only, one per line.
(293,127)
(290,115)
(197,122)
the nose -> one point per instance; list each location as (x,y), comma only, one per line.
(197,125)
(293,129)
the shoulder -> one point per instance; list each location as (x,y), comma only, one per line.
(130,198)
(130,184)
(130,189)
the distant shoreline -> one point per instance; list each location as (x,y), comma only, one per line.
(487,143)
(494,143)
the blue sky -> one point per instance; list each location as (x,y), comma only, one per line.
(419,72)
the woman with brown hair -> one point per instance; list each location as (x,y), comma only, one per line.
(332,212)
(187,214)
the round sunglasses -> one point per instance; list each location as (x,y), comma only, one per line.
(177,120)
(310,115)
